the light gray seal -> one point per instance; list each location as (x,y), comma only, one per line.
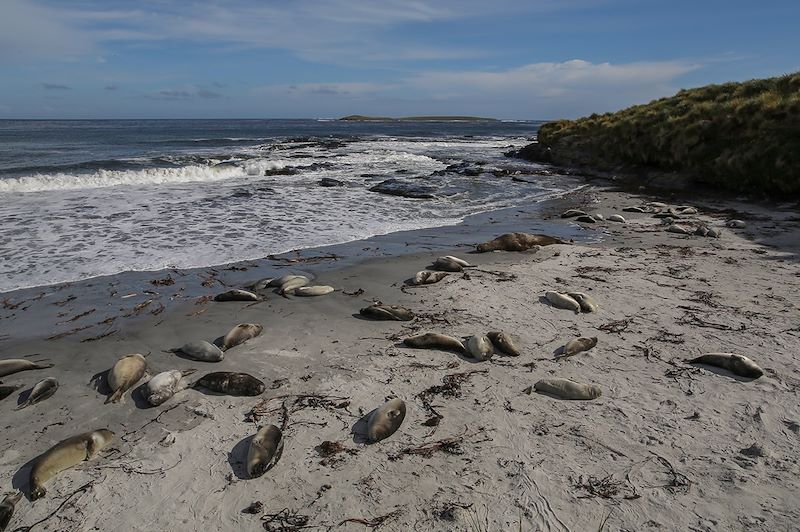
(41,391)
(379,311)
(7,508)
(65,455)
(480,347)
(735,224)
(567,389)
(446,264)
(384,421)
(166,384)
(202,351)
(504,343)
(428,277)
(617,218)
(124,375)
(265,450)
(678,229)
(231,383)
(736,364)
(587,303)
(563,301)
(578,345)
(435,341)
(311,291)
(572,213)
(240,334)
(294,282)
(517,242)
(15,365)
(237,295)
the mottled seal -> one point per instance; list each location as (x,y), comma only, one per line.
(504,343)
(616,218)
(578,345)
(736,364)
(567,389)
(517,242)
(564,301)
(231,383)
(164,385)
(240,334)
(41,391)
(379,311)
(64,455)
(735,224)
(678,229)
(310,291)
(434,341)
(384,421)
(125,373)
(7,508)
(587,303)
(15,365)
(572,213)
(202,351)
(265,450)
(428,277)
(479,347)
(5,391)
(237,295)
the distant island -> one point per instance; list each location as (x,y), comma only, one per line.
(363,118)
(736,136)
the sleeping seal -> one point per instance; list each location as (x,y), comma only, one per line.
(587,303)
(165,385)
(15,365)
(265,450)
(240,334)
(504,343)
(461,262)
(294,281)
(434,341)
(202,351)
(64,455)
(5,391)
(564,301)
(735,224)
(679,229)
(446,264)
(7,508)
(517,242)
(480,348)
(379,311)
(231,383)
(237,295)
(616,218)
(309,291)
(572,213)
(578,345)
(736,364)
(43,389)
(428,277)
(567,389)
(384,421)
(125,373)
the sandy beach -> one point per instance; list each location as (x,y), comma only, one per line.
(668,446)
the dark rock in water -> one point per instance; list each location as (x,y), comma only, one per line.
(472,172)
(287,170)
(395,187)
(330,182)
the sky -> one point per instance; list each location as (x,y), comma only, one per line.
(511,59)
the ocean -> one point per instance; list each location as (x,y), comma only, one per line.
(80,199)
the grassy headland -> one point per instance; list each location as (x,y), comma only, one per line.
(736,136)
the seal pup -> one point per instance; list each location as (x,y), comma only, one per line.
(231,383)
(517,242)
(564,301)
(64,455)
(124,375)
(265,450)
(586,219)
(679,229)
(434,341)
(310,291)
(446,264)
(240,334)
(617,218)
(480,347)
(587,303)
(385,420)
(736,364)
(43,390)
(164,385)
(428,277)
(567,389)
(202,351)
(296,281)
(503,343)
(462,262)
(5,391)
(578,345)
(15,365)
(237,295)
(379,311)
(572,213)
(7,508)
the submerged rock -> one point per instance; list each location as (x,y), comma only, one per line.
(330,182)
(395,187)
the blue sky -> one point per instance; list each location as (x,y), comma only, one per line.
(325,58)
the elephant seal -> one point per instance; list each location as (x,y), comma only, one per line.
(517,242)
(586,219)
(567,389)
(701,230)
(503,343)
(480,347)
(587,303)
(598,216)
(678,229)
(15,365)
(265,450)
(713,232)
(5,391)
(578,345)
(686,210)
(7,508)
(572,213)
(434,341)
(43,390)
(379,311)
(125,373)
(261,284)
(277,282)
(617,218)
(385,420)
(634,209)
(240,334)
(736,364)
(296,281)
(735,224)
(64,455)
(310,291)
(428,277)
(231,383)
(164,385)
(202,351)
(237,295)
(564,301)
(462,262)
(445,264)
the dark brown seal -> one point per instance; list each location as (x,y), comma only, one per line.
(231,383)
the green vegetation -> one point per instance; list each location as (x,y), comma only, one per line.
(362,118)
(737,136)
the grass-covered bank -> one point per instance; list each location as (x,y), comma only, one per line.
(737,136)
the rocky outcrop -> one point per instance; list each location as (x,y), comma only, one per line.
(395,187)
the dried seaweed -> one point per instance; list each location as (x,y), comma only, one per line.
(304,260)
(331,403)
(372,523)
(605,488)
(450,445)
(450,387)
(285,521)
(617,326)
(168,280)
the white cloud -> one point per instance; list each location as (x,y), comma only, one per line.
(28,30)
